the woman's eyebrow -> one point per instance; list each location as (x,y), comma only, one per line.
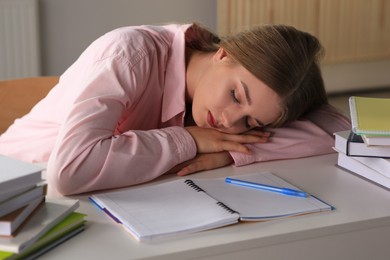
(247,94)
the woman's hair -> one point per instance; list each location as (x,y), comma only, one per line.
(282,57)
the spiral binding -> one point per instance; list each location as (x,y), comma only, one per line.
(193,185)
(226,208)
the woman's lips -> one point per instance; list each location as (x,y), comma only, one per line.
(211,120)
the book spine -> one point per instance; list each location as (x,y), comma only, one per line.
(353,112)
(351,134)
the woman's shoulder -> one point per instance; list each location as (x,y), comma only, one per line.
(144,34)
(132,41)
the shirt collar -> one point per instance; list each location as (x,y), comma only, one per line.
(173,101)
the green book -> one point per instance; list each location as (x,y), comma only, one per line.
(46,217)
(70,226)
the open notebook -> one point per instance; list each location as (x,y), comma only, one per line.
(185,206)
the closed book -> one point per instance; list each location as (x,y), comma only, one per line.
(379,140)
(50,214)
(190,205)
(67,228)
(381,165)
(370,116)
(17,191)
(351,164)
(12,221)
(39,250)
(17,174)
(352,144)
(22,199)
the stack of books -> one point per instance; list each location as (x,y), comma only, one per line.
(31,224)
(365,149)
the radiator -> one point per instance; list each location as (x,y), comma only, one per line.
(19,39)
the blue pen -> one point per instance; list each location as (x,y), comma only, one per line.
(285,191)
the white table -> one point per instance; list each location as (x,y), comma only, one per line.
(359,228)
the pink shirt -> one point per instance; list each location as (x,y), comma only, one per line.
(116,117)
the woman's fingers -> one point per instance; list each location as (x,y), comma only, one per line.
(259,133)
(245,138)
(234,147)
(206,162)
(211,141)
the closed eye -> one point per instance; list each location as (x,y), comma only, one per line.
(235,100)
(234,97)
(255,123)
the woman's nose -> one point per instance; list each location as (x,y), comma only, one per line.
(230,119)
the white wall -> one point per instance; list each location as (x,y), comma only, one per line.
(67,27)
(365,75)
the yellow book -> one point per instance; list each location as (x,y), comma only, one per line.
(370,116)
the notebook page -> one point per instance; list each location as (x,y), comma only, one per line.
(165,209)
(254,204)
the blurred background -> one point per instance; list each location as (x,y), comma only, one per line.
(44,37)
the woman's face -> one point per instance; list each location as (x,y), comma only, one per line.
(230,99)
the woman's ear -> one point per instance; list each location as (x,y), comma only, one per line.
(221,54)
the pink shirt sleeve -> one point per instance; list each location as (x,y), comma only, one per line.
(310,136)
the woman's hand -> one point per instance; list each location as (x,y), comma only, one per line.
(213,148)
(212,141)
(202,162)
